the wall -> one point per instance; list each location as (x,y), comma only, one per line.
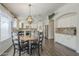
(51,29)
(4,45)
(68,16)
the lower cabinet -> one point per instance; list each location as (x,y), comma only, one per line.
(66,40)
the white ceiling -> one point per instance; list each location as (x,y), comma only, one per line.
(22,9)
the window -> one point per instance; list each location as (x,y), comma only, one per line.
(14,23)
(5,28)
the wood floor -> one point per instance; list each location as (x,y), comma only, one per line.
(65,51)
(50,48)
(55,49)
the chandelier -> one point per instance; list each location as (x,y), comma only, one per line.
(29,18)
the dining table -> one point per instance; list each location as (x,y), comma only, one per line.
(30,39)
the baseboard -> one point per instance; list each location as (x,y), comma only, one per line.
(7,49)
(67,47)
(4,45)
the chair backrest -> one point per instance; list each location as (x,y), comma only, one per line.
(36,34)
(40,37)
(16,39)
(28,33)
(12,39)
(19,40)
(21,32)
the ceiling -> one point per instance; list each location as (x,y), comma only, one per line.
(22,9)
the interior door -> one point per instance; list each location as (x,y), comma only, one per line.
(46,31)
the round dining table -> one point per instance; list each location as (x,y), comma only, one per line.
(30,39)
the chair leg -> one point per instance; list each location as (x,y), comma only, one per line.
(38,51)
(41,48)
(14,53)
(28,51)
(19,52)
(31,51)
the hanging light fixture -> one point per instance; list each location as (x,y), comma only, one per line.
(29,19)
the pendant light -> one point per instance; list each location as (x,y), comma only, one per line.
(29,19)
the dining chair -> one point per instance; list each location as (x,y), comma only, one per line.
(38,44)
(41,36)
(18,45)
(21,32)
